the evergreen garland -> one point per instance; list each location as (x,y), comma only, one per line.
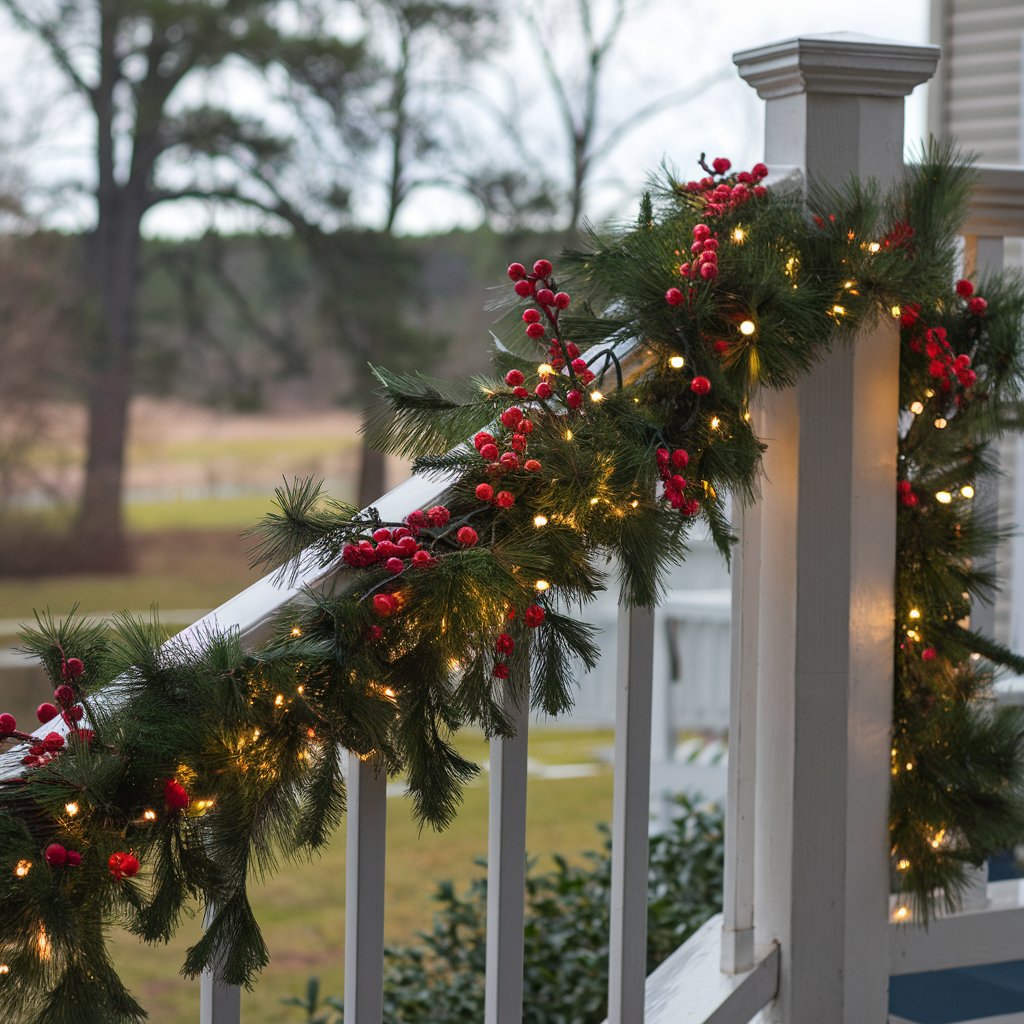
(170,772)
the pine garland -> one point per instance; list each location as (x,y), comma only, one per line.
(617,418)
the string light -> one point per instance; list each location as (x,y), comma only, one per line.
(838,310)
(596,396)
(903,864)
(747,328)
(594,501)
(916,408)
(739,235)
(454,664)
(896,312)
(22,868)
(634,503)
(848,284)
(568,435)
(149,814)
(540,521)
(676,362)
(541,585)
(43,942)
(279,700)
(967,491)
(71,809)
(545,369)
(929,393)
(296,631)
(943,497)
(937,840)
(901,914)
(940,424)
(300,689)
(873,247)
(4,969)
(915,613)
(715,422)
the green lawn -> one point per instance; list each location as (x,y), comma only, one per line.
(302,909)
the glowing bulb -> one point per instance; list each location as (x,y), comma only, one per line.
(909,766)
(279,700)
(916,408)
(896,312)
(929,393)
(22,868)
(4,969)
(715,422)
(300,690)
(967,491)
(596,396)
(902,864)
(839,310)
(545,369)
(149,815)
(943,497)
(541,585)
(634,503)
(676,362)
(454,664)
(568,435)
(747,328)
(738,235)
(539,521)
(848,284)
(44,945)
(296,631)
(71,809)
(594,501)
(914,613)
(901,913)
(940,424)
(937,839)
(873,246)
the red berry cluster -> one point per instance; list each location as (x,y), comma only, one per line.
(675,484)
(515,440)
(720,196)
(123,865)
(899,236)
(58,856)
(947,369)
(175,795)
(397,547)
(906,494)
(504,645)
(975,303)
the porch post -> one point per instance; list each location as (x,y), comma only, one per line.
(825,631)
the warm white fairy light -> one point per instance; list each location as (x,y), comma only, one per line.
(901,914)
(967,491)
(568,435)
(916,408)
(540,521)
(22,868)
(940,424)
(545,369)
(596,396)
(896,312)
(541,585)
(915,613)
(874,246)
(594,501)
(739,235)
(838,310)
(902,864)
(747,328)
(4,969)
(943,497)
(715,422)
(279,700)
(71,809)
(43,943)
(848,284)
(635,503)
(296,631)
(149,814)
(676,362)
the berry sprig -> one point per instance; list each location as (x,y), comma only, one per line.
(719,192)
(669,464)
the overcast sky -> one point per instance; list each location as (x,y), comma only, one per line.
(673,44)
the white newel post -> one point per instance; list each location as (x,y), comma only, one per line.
(835,108)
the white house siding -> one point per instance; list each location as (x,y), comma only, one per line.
(977,97)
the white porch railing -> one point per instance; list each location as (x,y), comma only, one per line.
(804,928)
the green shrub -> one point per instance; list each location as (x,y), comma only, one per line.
(566,935)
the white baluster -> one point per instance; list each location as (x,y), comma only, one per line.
(364,891)
(627,969)
(218,1003)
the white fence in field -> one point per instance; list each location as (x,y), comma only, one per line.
(804,935)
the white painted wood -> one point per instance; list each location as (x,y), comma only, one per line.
(835,107)
(627,966)
(506,850)
(966,939)
(738,895)
(366,783)
(218,1003)
(688,987)
(996,208)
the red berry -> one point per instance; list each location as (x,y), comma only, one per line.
(501,670)
(514,378)
(74,858)
(680,458)
(53,741)
(382,534)
(384,605)
(73,668)
(533,616)
(542,268)
(8,723)
(700,232)
(516,271)
(535,330)
(506,499)
(543,390)
(579,365)
(466,536)
(721,165)
(55,854)
(525,426)
(175,796)
(700,385)
(661,456)
(373,633)
(518,442)
(394,566)
(964,289)
(523,288)
(928,654)
(484,491)
(531,315)
(489,452)
(574,399)
(562,300)
(481,439)
(123,865)
(759,170)
(46,712)
(721,347)
(511,416)
(421,559)
(572,349)
(977,305)
(509,461)
(504,644)
(708,271)
(546,296)
(439,515)
(674,297)
(64,695)
(408,546)
(531,465)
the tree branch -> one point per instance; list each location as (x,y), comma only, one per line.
(46,33)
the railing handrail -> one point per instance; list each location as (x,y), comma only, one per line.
(996,208)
